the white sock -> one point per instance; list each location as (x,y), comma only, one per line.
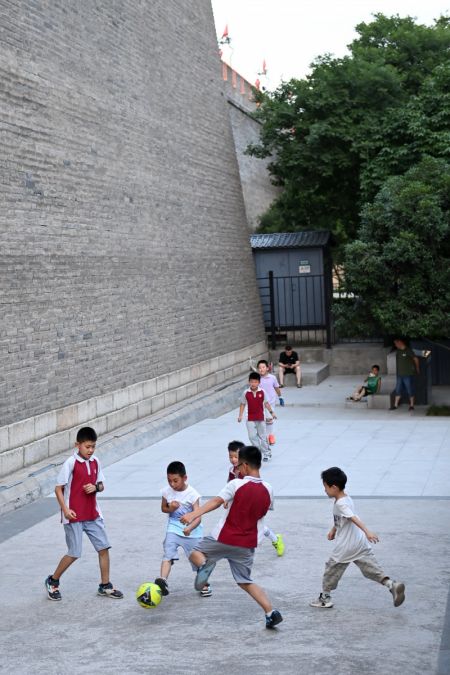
(388,583)
(268,533)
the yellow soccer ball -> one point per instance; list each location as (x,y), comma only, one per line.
(148,595)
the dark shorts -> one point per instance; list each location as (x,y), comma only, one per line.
(405,382)
(289,370)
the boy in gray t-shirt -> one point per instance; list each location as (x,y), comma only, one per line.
(352,544)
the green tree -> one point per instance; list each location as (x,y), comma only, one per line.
(337,135)
(397,272)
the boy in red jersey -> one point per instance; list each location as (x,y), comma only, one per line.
(256,400)
(77,485)
(233,472)
(235,537)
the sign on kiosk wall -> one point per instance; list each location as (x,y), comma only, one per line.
(304,267)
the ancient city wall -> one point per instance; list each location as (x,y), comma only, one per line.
(257,188)
(124,254)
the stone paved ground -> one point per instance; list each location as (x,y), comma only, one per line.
(398,471)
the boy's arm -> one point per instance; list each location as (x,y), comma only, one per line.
(210,505)
(241,411)
(68,513)
(269,408)
(371,536)
(187,530)
(378,385)
(167,507)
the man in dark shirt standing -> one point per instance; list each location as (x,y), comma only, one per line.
(289,362)
(407,366)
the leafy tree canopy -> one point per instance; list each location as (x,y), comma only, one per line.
(336,136)
(398,270)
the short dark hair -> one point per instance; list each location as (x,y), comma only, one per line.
(376,366)
(288,348)
(234,446)
(254,376)
(266,363)
(177,468)
(86,434)
(334,476)
(251,455)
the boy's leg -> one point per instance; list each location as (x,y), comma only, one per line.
(240,560)
(263,445)
(170,544)
(166,566)
(258,594)
(103,561)
(74,534)
(281,375)
(276,539)
(253,434)
(370,568)
(64,564)
(95,530)
(331,577)
(298,375)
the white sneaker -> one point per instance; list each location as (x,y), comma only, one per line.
(323,601)
(398,593)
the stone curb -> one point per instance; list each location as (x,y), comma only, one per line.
(25,487)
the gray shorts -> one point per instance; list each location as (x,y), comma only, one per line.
(173,541)
(240,559)
(95,530)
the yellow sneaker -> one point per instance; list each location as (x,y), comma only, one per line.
(279,545)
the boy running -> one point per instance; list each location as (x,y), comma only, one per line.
(269,384)
(179,498)
(256,401)
(76,490)
(352,544)
(236,535)
(233,472)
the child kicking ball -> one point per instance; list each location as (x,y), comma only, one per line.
(352,544)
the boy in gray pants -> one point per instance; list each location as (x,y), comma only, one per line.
(352,544)
(256,400)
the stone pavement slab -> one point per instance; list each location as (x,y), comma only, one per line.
(383,452)
(363,633)
(398,467)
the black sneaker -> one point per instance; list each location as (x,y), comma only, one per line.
(164,586)
(273,619)
(52,586)
(108,591)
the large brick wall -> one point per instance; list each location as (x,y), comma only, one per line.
(123,253)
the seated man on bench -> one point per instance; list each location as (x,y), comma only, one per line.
(289,363)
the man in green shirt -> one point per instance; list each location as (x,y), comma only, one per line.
(407,366)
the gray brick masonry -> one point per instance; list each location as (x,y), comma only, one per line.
(124,254)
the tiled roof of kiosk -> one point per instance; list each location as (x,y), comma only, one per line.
(309,238)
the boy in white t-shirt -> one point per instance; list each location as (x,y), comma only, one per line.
(352,544)
(269,384)
(179,498)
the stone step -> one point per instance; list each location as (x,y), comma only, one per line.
(312,373)
(307,354)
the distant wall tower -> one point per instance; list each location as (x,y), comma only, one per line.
(257,188)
